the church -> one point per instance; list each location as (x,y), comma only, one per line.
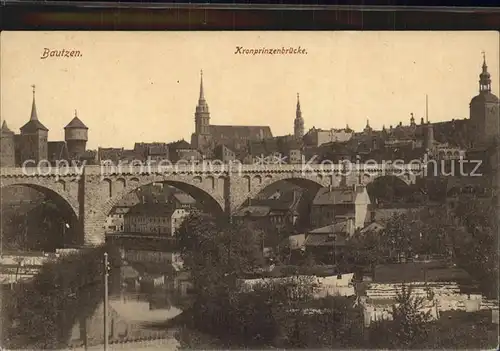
(207,137)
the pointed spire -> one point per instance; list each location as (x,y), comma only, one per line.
(202,93)
(34,116)
(485,67)
(5,127)
(299,121)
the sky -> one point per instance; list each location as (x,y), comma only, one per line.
(129,87)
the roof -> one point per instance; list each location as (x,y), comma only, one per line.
(119,210)
(180,144)
(76,123)
(57,150)
(288,200)
(151,210)
(183,198)
(5,128)
(418,272)
(32,126)
(221,133)
(334,196)
(339,227)
(155,148)
(324,240)
(129,200)
(254,211)
(485,97)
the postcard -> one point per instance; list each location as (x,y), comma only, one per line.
(219,190)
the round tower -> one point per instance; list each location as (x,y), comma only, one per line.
(76,136)
(7,147)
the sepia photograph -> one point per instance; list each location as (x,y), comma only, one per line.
(249,190)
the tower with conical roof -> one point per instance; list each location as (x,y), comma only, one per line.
(76,136)
(33,138)
(7,147)
(484,111)
(298,124)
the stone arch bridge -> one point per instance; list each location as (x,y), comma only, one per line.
(90,192)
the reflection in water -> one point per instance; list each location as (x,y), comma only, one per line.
(142,296)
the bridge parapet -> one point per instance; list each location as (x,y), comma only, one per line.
(41,171)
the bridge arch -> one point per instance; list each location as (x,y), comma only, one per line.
(55,190)
(67,210)
(98,213)
(311,183)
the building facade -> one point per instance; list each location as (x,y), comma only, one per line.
(154,219)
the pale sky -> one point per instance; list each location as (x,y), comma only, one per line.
(143,86)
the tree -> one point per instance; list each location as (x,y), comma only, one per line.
(217,253)
(409,321)
(477,252)
(408,327)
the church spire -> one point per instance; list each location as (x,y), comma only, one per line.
(202,114)
(484,77)
(34,116)
(298,124)
(202,93)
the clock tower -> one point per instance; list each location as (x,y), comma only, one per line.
(484,111)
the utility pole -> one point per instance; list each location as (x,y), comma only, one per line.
(106,274)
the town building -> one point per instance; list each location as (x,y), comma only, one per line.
(152,152)
(317,137)
(280,210)
(328,244)
(330,203)
(115,221)
(182,151)
(154,219)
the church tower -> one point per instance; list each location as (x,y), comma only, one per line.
(484,112)
(202,114)
(201,138)
(33,138)
(76,136)
(7,147)
(298,125)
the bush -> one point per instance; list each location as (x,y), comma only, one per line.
(44,310)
